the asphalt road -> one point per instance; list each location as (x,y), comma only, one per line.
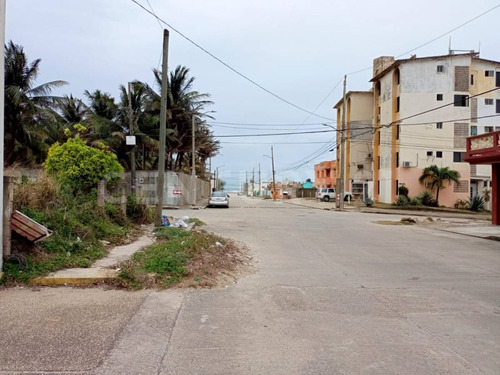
(332,293)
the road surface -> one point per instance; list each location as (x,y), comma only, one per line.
(332,293)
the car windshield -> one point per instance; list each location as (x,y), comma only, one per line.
(218,194)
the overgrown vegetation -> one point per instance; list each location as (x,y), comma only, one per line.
(476,203)
(190,258)
(79,229)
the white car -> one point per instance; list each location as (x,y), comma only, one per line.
(219,199)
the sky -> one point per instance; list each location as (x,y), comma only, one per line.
(297,50)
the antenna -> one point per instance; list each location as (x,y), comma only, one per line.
(449,46)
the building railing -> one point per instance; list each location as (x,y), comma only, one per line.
(483,148)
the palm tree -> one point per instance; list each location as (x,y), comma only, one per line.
(27,108)
(438,176)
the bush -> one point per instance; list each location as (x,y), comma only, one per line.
(403,190)
(139,212)
(415,202)
(476,203)
(427,200)
(462,204)
(80,166)
(402,201)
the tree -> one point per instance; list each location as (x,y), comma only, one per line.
(438,176)
(28,107)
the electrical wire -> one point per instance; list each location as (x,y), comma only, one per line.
(269,124)
(272,134)
(229,66)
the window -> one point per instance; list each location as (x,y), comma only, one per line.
(398,129)
(397,104)
(378,162)
(488,101)
(430,153)
(461,101)
(458,157)
(439,154)
(488,129)
(397,187)
(378,187)
(473,130)
(439,125)
(397,159)
(489,73)
(485,184)
(472,79)
(440,68)
(498,106)
(497,81)
(439,97)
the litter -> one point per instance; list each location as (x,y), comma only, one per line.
(164,221)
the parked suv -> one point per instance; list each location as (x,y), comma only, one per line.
(325,194)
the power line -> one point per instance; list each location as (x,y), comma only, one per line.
(229,66)
(269,124)
(274,143)
(272,134)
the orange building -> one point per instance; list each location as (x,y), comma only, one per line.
(325,174)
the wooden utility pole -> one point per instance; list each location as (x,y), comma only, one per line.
(340,189)
(260,184)
(193,160)
(274,177)
(133,182)
(163,130)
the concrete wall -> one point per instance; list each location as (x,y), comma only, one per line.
(146,188)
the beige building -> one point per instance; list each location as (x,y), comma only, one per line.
(424,109)
(358,172)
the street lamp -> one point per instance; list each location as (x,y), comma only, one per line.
(274,179)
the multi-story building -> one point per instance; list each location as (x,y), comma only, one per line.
(358,173)
(325,174)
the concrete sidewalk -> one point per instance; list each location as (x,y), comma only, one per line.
(464,223)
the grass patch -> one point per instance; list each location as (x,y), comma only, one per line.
(180,257)
(78,230)
(388,222)
(197,221)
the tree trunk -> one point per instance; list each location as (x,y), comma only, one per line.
(437,196)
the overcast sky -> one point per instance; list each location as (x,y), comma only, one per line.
(299,50)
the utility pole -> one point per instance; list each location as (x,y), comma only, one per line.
(193,162)
(260,185)
(163,130)
(274,177)
(246,183)
(131,132)
(342,152)
(2,119)
(253,181)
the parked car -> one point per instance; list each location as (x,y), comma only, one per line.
(219,199)
(326,194)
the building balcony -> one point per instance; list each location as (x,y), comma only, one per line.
(483,149)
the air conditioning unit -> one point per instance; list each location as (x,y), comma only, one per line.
(378,117)
(369,156)
(407,164)
(360,166)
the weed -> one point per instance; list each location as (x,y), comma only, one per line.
(197,221)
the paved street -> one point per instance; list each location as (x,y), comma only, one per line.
(332,293)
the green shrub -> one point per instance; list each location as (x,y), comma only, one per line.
(476,203)
(80,166)
(402,201)
(139,212)
(415,202)
(462,204)
(427,200)
(403,190)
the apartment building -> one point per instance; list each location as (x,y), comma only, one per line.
(325,174)
(358,172)
(423,111)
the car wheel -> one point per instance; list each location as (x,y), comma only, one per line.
(326,198)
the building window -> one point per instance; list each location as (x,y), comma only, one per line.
(488,101)
(473,130)
(378,187)
(489,73)
(439,154)
(458,157)
(439,125)
(440,68)
(461,101)
(378,162)
(397,187)
(398,129)
(485,184)
(439,97)
(430,153)
(497,81)
(498,106)
(397,104)
(472,79)
(397,159)
(488,129)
